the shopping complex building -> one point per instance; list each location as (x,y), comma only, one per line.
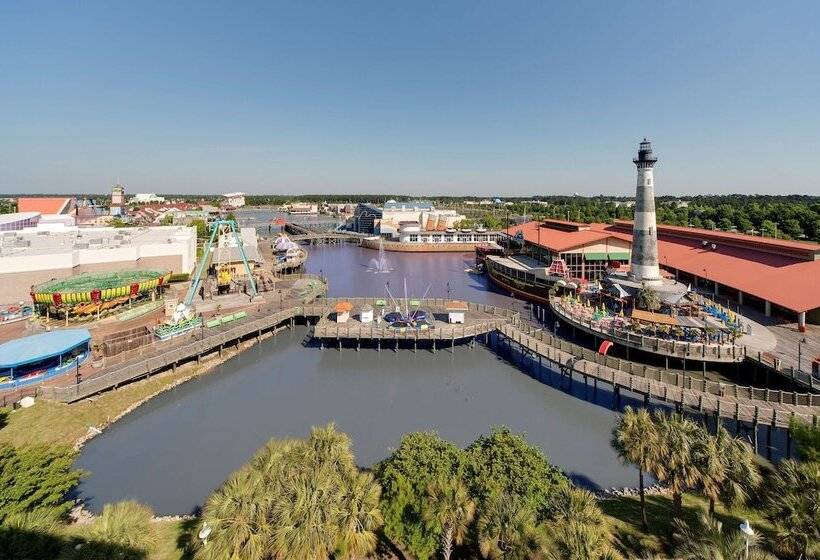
(776,276)
(33,256)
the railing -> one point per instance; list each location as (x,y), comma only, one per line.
(691,350)
(682,396)
(675,379)
(200,343)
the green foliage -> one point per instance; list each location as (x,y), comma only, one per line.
(635,440)
(807,440)
(123,525)
(507,463)
(201,228)
(167,220)
(648,299)
(792,504)
(449,510)
(491,222)
(707,539)
(578,529)
(36,477)
(304,500)
(498,463)
(507,529)
(421,458)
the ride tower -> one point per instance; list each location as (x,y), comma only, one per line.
(644,261)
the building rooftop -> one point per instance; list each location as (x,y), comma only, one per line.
(409,205)
(40,346)
(559,239)
(43,205)
(17,217)
(45,242)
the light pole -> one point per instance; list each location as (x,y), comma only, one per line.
(748,534)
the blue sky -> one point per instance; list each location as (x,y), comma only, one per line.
(486,98)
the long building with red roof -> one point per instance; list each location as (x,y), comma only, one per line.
(777,276)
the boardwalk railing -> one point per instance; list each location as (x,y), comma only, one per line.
(725,406)
(199,342)
(673,378)
(709,352)
(728,400)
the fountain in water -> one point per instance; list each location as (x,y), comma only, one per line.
(380,265)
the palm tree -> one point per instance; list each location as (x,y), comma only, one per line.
(635,440)
(328,446)
(708,541)
(127,524)
(792,504)
(507,528)
(727,468)
(306,517)
(450,509)
(239,520)
(578,530)
(676,465)
(360,516)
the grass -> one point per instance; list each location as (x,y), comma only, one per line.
(625,516)
(59,423)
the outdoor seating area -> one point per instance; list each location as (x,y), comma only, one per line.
(698,320)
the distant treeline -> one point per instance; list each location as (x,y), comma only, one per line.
(787,216)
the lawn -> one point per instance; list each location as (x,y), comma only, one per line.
(52,422)
(626,521)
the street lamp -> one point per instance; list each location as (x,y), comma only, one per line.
(748,534)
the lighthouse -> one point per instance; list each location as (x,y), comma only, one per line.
(644,262)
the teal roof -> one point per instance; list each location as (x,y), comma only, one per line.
(40,346)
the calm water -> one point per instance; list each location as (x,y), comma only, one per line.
(173,451)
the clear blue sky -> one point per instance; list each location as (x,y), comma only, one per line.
(501,98)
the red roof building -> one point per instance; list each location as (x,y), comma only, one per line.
(44,205)
(776,275)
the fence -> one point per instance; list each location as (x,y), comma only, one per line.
(675,379)
(768,413)
(677,349)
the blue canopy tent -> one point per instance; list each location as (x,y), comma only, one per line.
(34,358)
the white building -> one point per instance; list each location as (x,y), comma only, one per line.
(394,214)
(303,208)
(412,232)
(146,198)
(234,199)
(37,255)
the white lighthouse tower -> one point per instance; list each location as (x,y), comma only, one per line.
(644,262)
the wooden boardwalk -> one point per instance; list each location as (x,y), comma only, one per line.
(744,404)
(732,405)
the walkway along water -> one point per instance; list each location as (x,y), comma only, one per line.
(747,404)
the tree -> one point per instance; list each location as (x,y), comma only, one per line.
(449,510)
(677,438)
(167,219)
(648,299)
(792,504)
(635,440)
(807,440)
(360,516)
(201,228)
(238,518)
(578,530)
(304,500)
(36,478)
(506,462)
(421,458)
(125,525)
(507,529)
(708,541)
